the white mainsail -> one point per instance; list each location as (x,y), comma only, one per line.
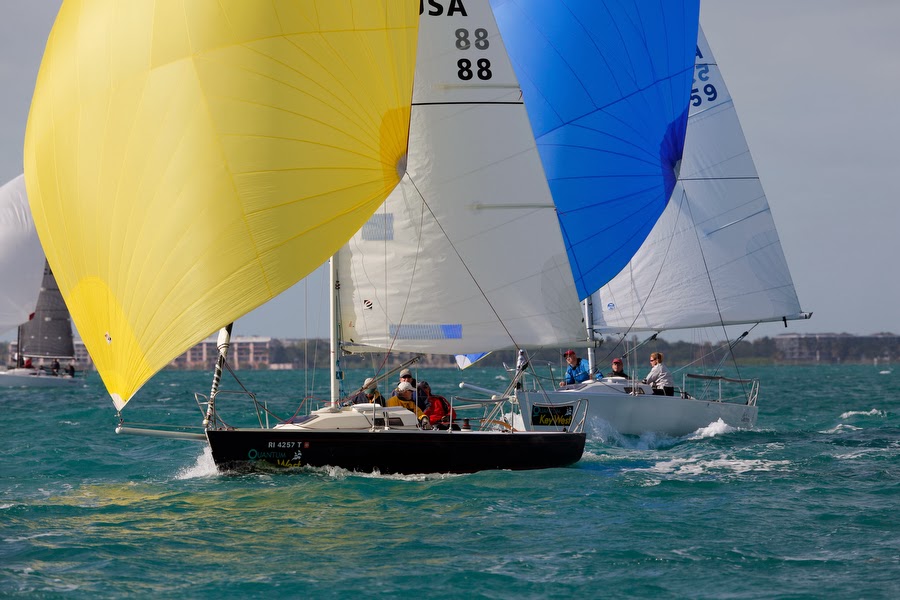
(714,256)
(466,254)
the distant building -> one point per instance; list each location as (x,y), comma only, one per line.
(253,352)
(245,352)
(837,347)
(248,352)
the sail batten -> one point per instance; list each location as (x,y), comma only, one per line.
(194,160)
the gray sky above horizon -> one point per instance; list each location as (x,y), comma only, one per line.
(815,84)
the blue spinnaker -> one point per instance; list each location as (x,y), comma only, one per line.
(607,84)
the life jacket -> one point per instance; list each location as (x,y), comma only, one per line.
(439,410)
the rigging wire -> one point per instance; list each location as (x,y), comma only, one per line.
(715,297)
(681,203)
(382,363)
(464,264)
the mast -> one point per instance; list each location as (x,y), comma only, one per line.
(588,306)
(20,360)
(337,375)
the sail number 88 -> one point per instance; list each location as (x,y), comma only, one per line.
(481,39)
(464,65)
(465,69)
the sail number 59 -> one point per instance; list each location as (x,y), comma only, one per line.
(701,72)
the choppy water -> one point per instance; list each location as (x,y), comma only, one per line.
(804,506)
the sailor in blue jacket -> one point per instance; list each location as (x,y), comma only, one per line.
(577,370)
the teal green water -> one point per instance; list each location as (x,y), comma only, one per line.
(803,506)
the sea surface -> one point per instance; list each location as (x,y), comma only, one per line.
(805,505)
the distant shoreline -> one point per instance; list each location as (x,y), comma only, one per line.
(266,353)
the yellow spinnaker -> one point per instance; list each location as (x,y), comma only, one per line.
(188,160)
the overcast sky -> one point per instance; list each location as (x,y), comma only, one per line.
(816,86)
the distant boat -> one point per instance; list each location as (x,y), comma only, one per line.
(713,258)
(28,300)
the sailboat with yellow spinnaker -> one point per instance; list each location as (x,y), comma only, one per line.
(188,161)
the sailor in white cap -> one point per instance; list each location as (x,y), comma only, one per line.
(405,398)
(406,375)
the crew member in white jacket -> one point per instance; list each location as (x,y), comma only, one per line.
(659,377)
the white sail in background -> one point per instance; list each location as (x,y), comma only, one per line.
(714,257)
(21,256)
(466,254)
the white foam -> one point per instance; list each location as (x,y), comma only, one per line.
(693,467)
(204,467)
(859,413)
(651,441)
(711,430)
(842,427)
(650,483)
(591,456)
(860,453)
(603,432)
(341,473)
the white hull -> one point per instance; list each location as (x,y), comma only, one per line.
(610,402)
(33,378)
